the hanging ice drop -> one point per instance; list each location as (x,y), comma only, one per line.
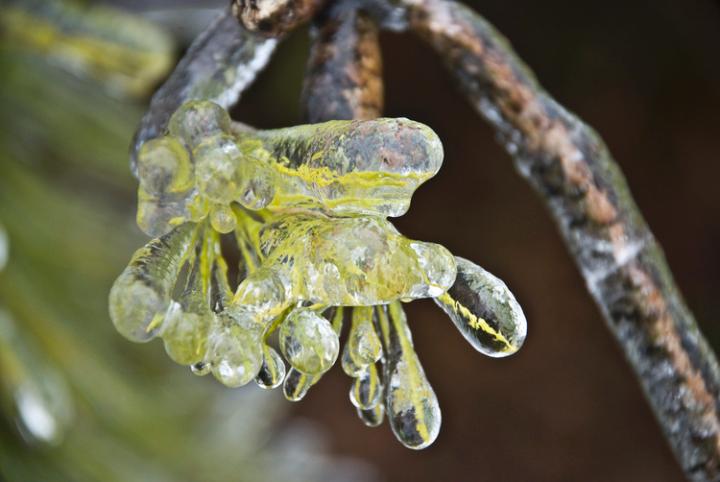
(308,341)
(297,384)
(366,390)
(140,296)
(235,350)
(484,310)
(410,402)
(363,344)
(272,371)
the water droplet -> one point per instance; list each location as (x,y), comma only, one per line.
(308,341)
(297,384)
(412,407)
(272,372)
(485,311)
(140,296)
(366,390)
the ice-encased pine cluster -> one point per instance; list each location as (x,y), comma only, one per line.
(307,207)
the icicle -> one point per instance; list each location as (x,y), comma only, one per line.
(140,296)
(410,402)
(485,311)
(363,344)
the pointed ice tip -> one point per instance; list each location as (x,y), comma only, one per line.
(485,311)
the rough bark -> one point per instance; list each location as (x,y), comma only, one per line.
(623,265)
(344,73)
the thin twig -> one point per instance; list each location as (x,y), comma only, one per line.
(623,266)
(344,73)
(221,63)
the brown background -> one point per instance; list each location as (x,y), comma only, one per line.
(646,75)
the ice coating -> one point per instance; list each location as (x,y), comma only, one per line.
(358,261)
(306,208)
(189,320)
(352,167)
(140,296)
(484,310)
(339,167)
(410,402)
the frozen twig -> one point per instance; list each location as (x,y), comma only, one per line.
(221,63)
(623,266)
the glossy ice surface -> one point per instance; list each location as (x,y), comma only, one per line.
(307,207)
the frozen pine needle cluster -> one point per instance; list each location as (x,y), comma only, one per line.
(268,240)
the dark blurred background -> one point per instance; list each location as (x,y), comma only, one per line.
(646,75)
(566,407)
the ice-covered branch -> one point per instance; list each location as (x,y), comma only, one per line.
(624,267)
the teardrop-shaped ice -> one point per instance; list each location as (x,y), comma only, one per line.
(200,368)
(410,402)
(372,417)
(349,366)
(235,349)
(140,296)
(308,341)
(366,390)
(272,372)
(297,384)
(484,310)
(363,344)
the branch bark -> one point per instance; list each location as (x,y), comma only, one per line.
(344,72)
(220,64)
(623,265)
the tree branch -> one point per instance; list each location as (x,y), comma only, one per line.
(344,73)
(220,64)
(623,266)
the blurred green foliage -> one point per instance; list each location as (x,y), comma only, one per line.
(77,402)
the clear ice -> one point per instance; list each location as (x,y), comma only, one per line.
(306,208)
